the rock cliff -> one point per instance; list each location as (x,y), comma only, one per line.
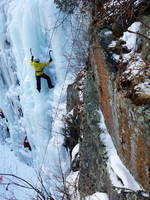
(111,85)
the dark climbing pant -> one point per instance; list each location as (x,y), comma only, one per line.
(38,81)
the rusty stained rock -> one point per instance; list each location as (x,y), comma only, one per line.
(125,121)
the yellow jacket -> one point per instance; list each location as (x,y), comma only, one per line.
(39,67)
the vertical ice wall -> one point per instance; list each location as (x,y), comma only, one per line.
(32,24)
(9,84)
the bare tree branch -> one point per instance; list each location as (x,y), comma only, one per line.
(26,182)
(138,33)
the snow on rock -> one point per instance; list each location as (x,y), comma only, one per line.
(135,66)
(130,43)
(137,71)
(97,196)
(75,151)
(130,38)
(119,174)
(72,185)
(143,88)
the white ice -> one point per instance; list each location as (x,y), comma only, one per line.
(32,24)
(10,164)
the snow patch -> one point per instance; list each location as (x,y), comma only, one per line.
(72,185)
(97,196)
(119,174)
(130,38)
(75,151)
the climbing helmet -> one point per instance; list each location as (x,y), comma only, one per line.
(36,60)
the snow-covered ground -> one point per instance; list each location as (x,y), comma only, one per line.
(9,164)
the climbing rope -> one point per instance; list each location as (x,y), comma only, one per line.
(52,34)
(57,112)
(57,108)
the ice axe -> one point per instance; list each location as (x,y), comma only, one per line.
(50,53)
(31,52)
(32,57)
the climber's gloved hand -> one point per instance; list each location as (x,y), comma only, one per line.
(50,60)
(32,58)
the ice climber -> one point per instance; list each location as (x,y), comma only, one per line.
(26,143)
(38,66)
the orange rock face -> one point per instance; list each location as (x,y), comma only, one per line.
(128,123)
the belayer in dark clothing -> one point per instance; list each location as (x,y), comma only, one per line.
(2,114)
(38,66)
(26,143)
